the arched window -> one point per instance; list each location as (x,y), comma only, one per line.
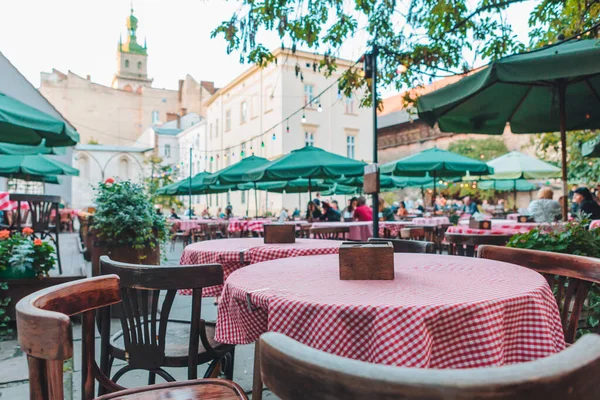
(124,168)
(139,65)
(83,165)
(128,88)
(139,90)
(126,63)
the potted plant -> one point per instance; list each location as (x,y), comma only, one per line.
(571,238)
(125,225)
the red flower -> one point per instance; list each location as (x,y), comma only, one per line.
(4,234)
(37,242)
(109,181)
(27,231)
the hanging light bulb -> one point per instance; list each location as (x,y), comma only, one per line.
(217,156)
(287,126)
(262,144)
(232,154)
(242,153)
(319,108)
(212,158)
(303,118)
(273,137)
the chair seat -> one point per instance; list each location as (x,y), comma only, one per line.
(177,343)
(218,389)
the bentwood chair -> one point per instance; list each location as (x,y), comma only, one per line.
(149,340)
(568,275)
(293,371)
(464,244)
(45,336)
(332,233)
(408,246)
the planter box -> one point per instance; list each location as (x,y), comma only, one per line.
(19,288)
(147,255)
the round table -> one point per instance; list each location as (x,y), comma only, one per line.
(439,312)
(357,230)
(431,221)
(234,254)
(504,230)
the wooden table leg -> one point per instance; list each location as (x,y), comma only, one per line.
(257,384)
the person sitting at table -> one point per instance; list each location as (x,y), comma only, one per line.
(335,205)
(283,216)
(348,212)
(312,212)
(585,203)
(402,211)
(205,213)
(174,214)
(329,213)
(228,212)
(385,212)
(544,209)
(296,213)
(363,212)
(220,213)
(470,206)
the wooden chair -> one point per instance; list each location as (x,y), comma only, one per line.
(148,339)
(200,233)
(413,233)
(304,231)
(440,233)
(332,233)
(45,336)
(408,246)
(569,276)
(293,371)
(462,244)
(178,235)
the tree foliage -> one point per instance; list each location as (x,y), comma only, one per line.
(161,175)
(480,149)
(422,39)
(580,169)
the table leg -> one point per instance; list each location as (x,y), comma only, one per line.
(257,384)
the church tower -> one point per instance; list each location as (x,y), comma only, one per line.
(132,61)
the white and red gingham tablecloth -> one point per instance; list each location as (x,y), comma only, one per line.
(439,312)
(431,221)
(595,224)
(7,205)
(234,254)
(493,231)
(241,225)
(358,230)
(187,224)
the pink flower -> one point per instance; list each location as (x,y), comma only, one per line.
(37,242)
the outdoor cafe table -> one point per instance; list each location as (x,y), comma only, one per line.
(189,224)
(431,221)
(358,230)
(504,230)
(234,254)
(242,225)
(439,312)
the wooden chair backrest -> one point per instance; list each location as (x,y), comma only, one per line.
(464,244)
(293,371)
(41,209)
(408,246)
(329,233)
(45,336)
(144,324)
(575,275)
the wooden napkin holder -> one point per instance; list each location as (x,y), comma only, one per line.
(524,218)
(366,261)
(474,224)
(280,233)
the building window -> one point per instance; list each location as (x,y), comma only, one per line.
(309,139)
(167,150)
(350,105)
(350,146)
(139,65)
(228,120)
(155,117)
(308,95)
(123,169)
(243,112)
(126,63)
(243,192)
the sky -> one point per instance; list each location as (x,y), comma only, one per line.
(82,36)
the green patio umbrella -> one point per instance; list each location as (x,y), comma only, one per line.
(197,187)
(309,163)
(235,173)
(34,165)
(341,190)
(517,185)
(591,148)
(386,182)
(295,186)
(436,163)
(22,124)
(552,89)
(51,179)
(16,149)
(515,165)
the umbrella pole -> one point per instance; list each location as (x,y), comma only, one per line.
(247,202)
(433,197)
(309,190)
(299,201)
(515,195)
(562,94)
(255,201)
(190,186)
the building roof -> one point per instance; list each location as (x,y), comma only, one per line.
(132,46)
(395,118)
(174,127)
(116,149)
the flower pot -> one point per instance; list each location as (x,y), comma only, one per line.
(123,253)
(15,273)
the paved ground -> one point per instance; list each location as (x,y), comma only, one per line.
(13,365)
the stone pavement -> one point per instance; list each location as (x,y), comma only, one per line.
(13,364)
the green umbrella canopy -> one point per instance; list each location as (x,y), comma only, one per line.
(515,165)
(436,163)
(341,190)
(295,186)
(386,182)
(22,124)
(34,165)
(523,90)
(308,163)
(236,172)
(34,178)
(182,187)
(520,185)
(16,149)
(591,148)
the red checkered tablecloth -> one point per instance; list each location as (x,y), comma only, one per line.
(393,227)
(241,225)
(7,205)
(228,253)
(493,231)
(439,312)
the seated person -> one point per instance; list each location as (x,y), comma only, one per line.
(470,206)
(585,203)
(312,211)
(385,212)
(362,211)
(329,213)
(544,209)
(283,216)
(174,214)
(402,211)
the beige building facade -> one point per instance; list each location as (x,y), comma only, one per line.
(274,110)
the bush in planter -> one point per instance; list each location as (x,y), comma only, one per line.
(125,216)
(572,238)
